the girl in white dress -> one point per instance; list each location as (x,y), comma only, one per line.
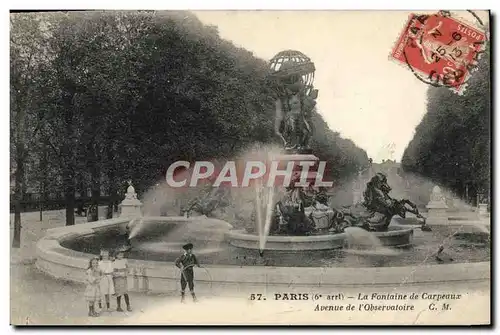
(93,291)
(106,283)
(120,280)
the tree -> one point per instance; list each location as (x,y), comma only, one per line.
(451,145)
(27,52)
(122,95)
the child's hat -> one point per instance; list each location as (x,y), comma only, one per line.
(187,246)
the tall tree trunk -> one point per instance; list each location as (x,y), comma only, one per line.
(112,194)
(40,202)
(69,159)
(19,176)
(18,192)
(82,188)
(69,193)
(96,191)
(43,181)
(42,199)
(69,198)
(82,191)
(112,179)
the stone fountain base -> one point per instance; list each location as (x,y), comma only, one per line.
(242,239)
(153,276)
(395,237)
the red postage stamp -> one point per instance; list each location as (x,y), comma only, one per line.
(439,49)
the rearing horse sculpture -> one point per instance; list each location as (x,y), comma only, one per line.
(380,207)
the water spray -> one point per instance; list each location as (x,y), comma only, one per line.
(258,209)
(133,227)
(269,212)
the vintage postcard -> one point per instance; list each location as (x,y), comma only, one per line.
(250,168)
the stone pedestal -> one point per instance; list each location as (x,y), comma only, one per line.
(457,203)
(482,210)
(131,206)
(437,208)
(454,204)
(285,159)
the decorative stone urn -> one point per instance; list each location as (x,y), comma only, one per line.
(457,203)
(437,208)
(483,210)
(131,206)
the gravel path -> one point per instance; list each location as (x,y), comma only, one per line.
(37,299)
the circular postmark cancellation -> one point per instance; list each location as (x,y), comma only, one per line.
(441,50)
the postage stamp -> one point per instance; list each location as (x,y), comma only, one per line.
(439,49)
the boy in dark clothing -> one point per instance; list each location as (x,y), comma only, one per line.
(186,262)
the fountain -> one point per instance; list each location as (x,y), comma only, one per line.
(296,233)
(361,242)
(294,220)
(301,219)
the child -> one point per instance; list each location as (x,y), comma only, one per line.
(120,282)
(186,262)
(93,291)
(106,283)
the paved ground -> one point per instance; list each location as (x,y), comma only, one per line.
(33,229)
(35,297)
(39,299)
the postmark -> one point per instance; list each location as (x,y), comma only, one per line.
(440,50)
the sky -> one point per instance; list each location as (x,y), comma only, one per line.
(363,95)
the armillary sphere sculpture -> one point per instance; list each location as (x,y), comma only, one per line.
(292,79)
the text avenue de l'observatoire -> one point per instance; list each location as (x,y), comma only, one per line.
(369,302)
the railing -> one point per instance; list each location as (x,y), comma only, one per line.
(32,205)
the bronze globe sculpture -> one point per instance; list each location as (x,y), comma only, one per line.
(292,78)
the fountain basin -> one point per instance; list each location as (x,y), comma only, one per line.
(242,269)
(157,276)
(192,228)
(395,237)
(242,239)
